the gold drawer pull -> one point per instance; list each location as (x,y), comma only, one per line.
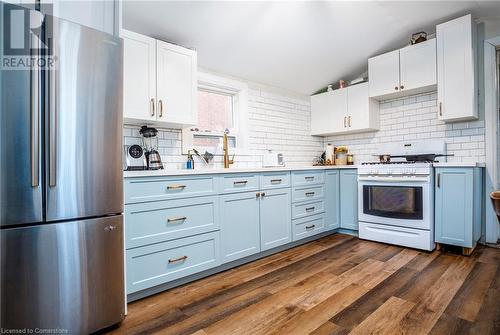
(175,260)
(275,181)
(241,182)
(180,218)
(176,187)
(310,227)
(308,209)
(309,194)
(309,178)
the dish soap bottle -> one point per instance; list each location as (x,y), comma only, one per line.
(190,161)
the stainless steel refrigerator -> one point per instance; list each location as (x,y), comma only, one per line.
(61,196)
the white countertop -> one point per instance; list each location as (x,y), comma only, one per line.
(458,164)
(184,172)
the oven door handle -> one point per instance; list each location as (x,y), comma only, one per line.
(394,180)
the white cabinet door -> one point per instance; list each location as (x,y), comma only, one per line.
(418,66)
(455,65)
(383,74)
(362,112)
(139,77)
(97,14)
(328,112)
(176,84)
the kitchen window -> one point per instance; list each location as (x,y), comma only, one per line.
(221,108)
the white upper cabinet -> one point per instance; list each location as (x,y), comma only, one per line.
(383,74)
(418,66)
(409,70)
(176,83)
(139,77)
(362,112)
(347,110)
(328,111)
(97,14)
(456,70)
(160,82)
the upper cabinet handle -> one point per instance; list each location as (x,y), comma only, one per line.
(345,123)
(440,109)
(152,106)
(160,108)
(349,121)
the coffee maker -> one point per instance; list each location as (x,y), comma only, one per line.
(150,146)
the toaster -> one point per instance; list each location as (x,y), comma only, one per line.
(273,159)
(134,158)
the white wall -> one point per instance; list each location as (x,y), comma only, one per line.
(415,118)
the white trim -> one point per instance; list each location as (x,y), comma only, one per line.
(239,90)
(491,135)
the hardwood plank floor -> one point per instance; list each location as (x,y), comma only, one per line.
(335,285)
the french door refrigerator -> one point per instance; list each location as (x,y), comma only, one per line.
(61,196)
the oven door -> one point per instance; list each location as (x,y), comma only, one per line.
(404,202)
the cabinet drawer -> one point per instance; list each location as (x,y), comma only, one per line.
(308,226)
(166,220)
(308,193)
(274,180)
(162,188)
(305,178)
(239,183)
(306,209)
(163,262)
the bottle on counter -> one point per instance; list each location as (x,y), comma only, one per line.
(190,161)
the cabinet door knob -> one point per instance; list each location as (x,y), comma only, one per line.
(401,87)
(396,88)
(257,195)
(263,194)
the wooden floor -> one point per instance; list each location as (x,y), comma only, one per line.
(336,285)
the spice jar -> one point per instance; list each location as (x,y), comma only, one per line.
(350,159)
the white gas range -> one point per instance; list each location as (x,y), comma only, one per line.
(396,198)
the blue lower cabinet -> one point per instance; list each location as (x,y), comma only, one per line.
(332,199)
(240,232)
(349,199)
(275,218)
(163,262)
(458,206)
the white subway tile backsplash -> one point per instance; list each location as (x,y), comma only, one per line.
(415,118)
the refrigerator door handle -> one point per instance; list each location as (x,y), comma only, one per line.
(52,122)
(35,118)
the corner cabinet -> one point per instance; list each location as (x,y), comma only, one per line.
(349,199)
(346,110)
(457,92)
(160,82)
(402,72)
(458,206)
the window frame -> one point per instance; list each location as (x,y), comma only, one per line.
(239,92)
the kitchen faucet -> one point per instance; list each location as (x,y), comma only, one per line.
(225,147)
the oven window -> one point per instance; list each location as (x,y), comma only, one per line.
(399,202)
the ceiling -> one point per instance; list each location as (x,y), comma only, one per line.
(298,46)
